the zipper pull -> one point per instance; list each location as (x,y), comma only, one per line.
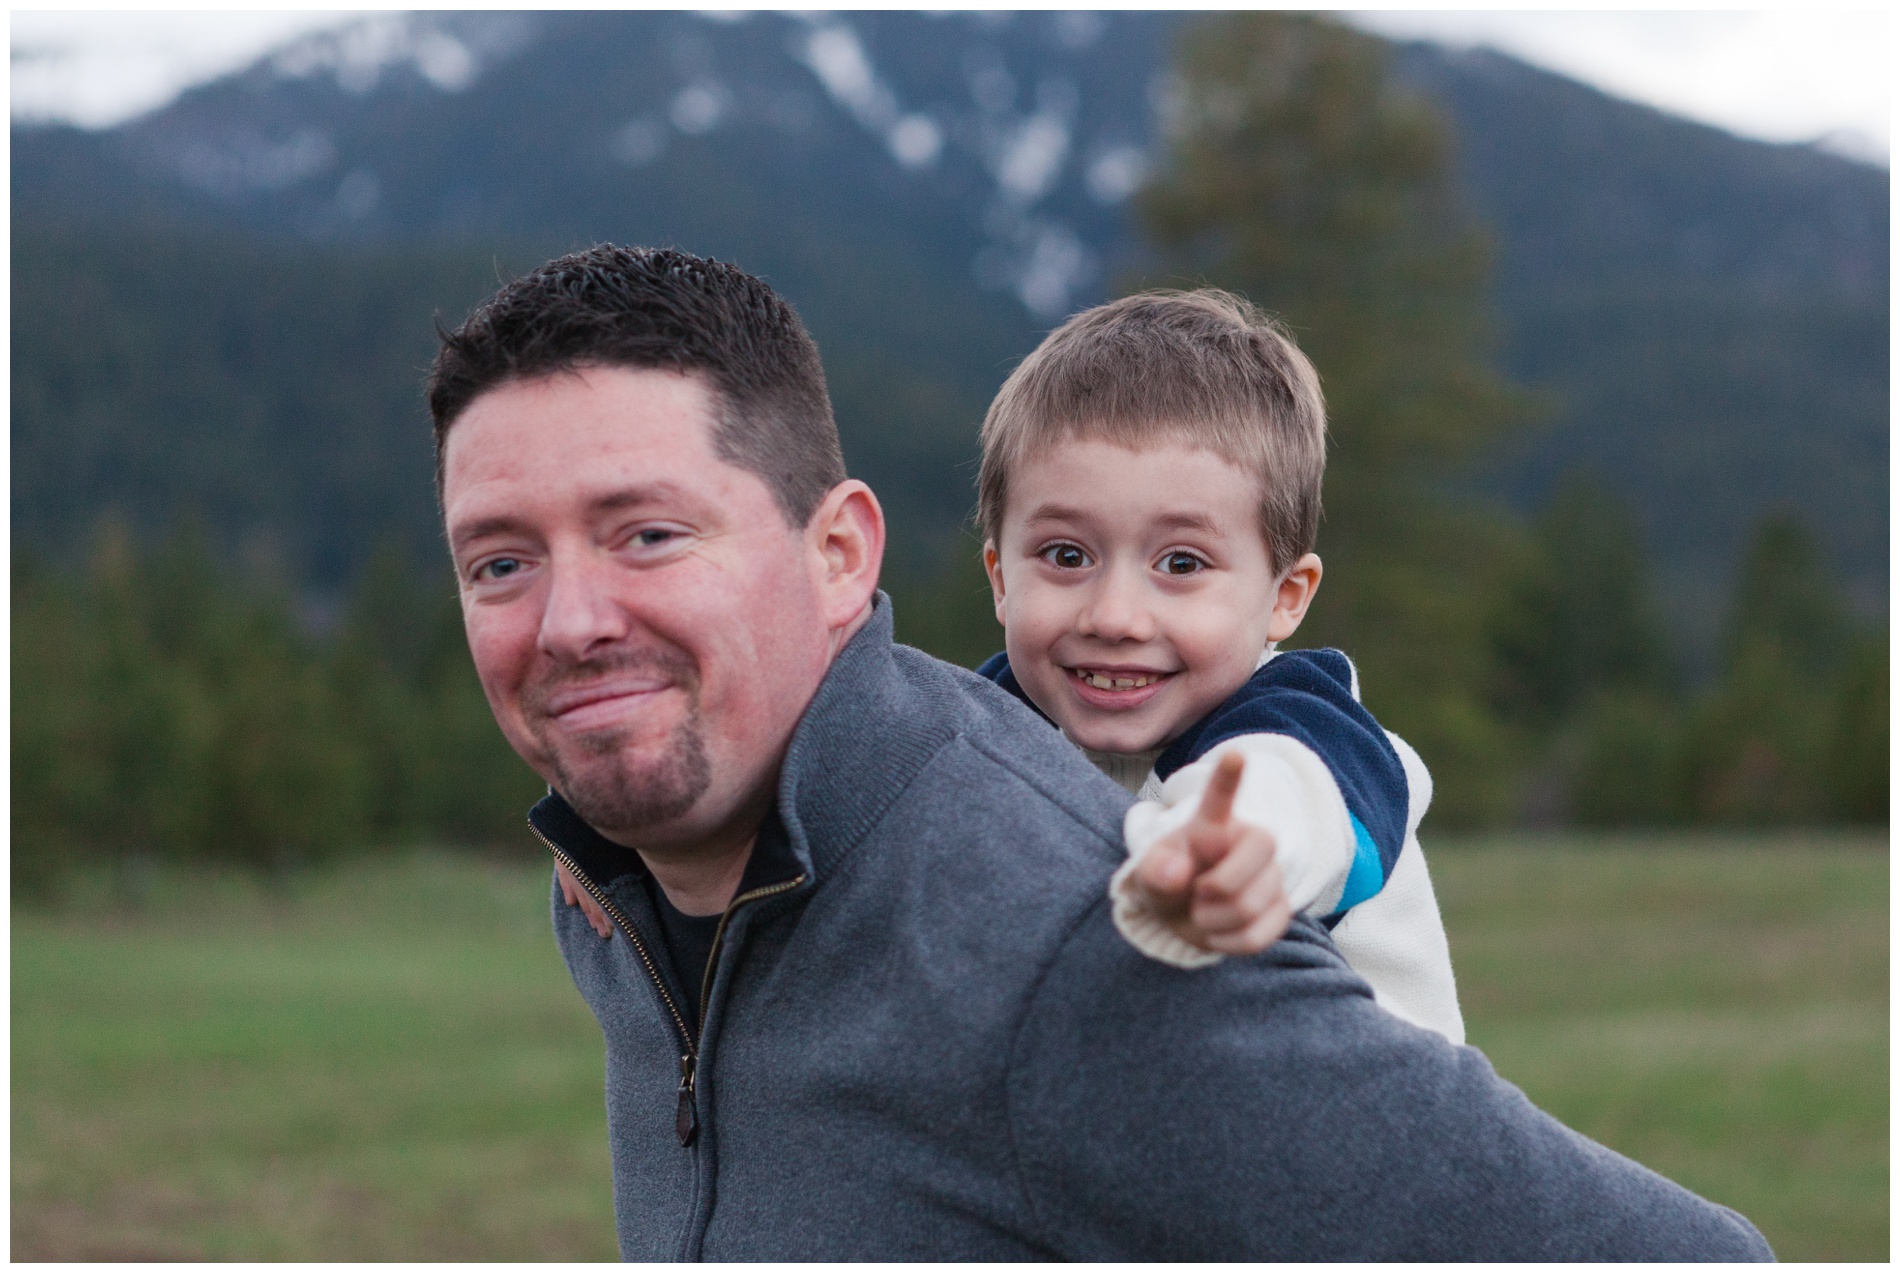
(686,1121)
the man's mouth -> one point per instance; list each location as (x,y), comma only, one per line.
(600,703)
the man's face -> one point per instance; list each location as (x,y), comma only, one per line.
(1134,587)
(646,626)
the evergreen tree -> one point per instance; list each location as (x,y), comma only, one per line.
(1859,772)
(1788,609)
(439,766)
(1758,747)
(1579,618)
(1302,176)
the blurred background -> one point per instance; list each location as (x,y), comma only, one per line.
(1603,323)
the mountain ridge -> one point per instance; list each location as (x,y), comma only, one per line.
(935,191)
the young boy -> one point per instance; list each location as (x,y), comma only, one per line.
(1149,496)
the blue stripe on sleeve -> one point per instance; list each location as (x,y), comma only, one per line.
(1367,875)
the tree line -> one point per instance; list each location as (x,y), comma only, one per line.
(170,706)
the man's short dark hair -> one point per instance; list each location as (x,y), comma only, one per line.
(655,308)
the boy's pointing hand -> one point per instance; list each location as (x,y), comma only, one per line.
(1215,882)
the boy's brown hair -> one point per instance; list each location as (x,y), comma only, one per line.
(1202,368)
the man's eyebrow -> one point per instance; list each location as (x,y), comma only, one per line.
(632,497)
(607,502)
(483,527)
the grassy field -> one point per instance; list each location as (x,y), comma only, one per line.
(1715,1008)
(387,1062)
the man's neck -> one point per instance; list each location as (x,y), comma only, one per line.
(706,882)
(842,636)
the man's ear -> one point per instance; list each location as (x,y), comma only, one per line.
(993,567)
(846,538)
(1294,594)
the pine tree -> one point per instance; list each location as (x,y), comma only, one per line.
(1302,176)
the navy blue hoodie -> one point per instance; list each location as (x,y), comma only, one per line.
(1309,695)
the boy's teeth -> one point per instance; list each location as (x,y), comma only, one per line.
(1103,682)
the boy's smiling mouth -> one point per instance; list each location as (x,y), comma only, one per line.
(1116,688)
(1116,680)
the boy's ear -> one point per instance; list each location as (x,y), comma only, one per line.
(1292,597)
(993,567)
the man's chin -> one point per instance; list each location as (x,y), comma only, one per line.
(627,789)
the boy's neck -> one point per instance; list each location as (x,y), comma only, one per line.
(1130,769)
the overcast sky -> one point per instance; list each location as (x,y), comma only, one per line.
(1781,75)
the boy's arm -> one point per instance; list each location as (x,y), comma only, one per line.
(1286,792)
(574,895)
(1396,940)
(1325,784)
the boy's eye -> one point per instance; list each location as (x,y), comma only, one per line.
(1181,564)
(1065,556)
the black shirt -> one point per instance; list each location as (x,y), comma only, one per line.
(689,938)
(689,943)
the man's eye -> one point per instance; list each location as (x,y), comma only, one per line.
(1181,564)
(499,568)
(653,537)
(1065,556)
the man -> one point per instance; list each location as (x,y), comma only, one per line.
(862,997)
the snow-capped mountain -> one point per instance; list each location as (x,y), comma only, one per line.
(933,190)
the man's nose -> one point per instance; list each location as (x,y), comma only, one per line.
(1117,609)
(583,611)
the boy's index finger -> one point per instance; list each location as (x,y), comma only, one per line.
(1217,802)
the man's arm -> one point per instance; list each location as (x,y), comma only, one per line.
(1267,1109)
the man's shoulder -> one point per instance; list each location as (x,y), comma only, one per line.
(917,752)
(1007,755)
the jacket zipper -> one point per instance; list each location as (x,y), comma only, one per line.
(685,1117)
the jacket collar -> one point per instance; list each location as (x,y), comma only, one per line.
(867,734)
(863,738)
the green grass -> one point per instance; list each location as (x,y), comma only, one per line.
(1714,1008)
(388,1062)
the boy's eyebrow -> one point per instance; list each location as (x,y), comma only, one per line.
(1166,521)
(1188,521)
(1057,513)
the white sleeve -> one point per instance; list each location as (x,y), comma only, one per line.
(1286,790)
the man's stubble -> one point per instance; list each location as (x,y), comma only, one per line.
(607,787)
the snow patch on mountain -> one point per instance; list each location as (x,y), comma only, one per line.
(447,51)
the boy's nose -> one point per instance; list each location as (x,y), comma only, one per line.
(1116,610)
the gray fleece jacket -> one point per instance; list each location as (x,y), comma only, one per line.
(923,1038)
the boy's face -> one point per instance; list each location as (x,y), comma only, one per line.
(1135,588)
